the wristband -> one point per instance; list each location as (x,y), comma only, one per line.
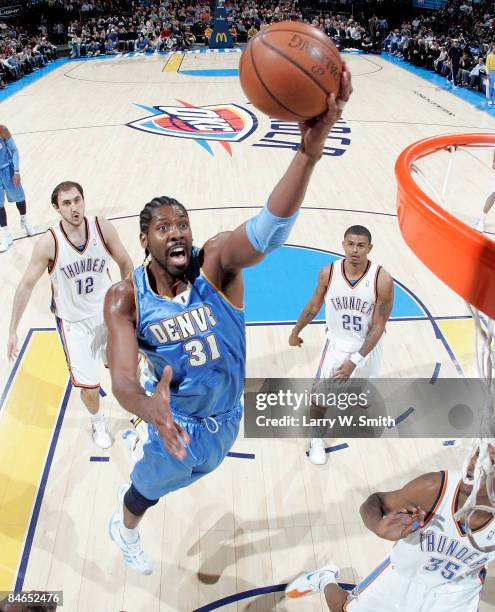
(16,172)
(356,358)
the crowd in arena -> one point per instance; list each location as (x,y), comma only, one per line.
(453,41)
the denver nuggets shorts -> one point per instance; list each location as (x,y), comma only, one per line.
(157,472)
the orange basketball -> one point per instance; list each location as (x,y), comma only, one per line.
(288,69)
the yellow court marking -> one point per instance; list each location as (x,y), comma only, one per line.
(27,423)
(174,62)
(460,336)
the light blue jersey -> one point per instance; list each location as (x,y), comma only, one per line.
(9,163)
(203,340)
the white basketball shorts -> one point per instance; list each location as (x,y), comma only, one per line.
(84,345)
(332,358)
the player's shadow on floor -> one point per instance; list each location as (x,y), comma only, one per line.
(211,569)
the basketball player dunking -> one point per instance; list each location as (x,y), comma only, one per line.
(358,297)
(76,253)
(184,308)
(433,567)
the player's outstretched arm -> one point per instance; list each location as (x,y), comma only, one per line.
(312,308)
(381,314)
(43,253)
(250,242)
(116,248)
(395,514)
(123,358)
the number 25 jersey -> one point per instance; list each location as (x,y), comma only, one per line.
(349,307)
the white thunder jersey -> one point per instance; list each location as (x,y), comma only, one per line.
(440,553)
(80,278)
(349,308)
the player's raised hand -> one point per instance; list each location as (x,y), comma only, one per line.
(401,523)
(173,435)
(315,131)
(295,340)
(12,350)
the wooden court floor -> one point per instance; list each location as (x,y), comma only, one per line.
(266,513)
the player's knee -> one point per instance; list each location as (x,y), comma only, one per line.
(137,503)
(90,394)
(266,231)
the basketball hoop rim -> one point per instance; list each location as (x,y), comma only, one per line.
(459,255)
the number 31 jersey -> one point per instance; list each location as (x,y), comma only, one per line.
(349,307)
(201,335)
(80,276)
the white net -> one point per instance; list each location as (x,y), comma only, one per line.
(460,178)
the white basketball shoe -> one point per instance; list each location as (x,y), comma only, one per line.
(133,552)
(99,432)
(6,241)
(312,582)
(27,227)
(316,453)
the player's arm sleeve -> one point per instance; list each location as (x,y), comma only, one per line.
(14,153)
(266,231)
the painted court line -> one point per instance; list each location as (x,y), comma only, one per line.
(275,588)
(34,394)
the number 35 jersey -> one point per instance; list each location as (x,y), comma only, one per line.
(80,276)
(201,335)
(440,553)
(349,307)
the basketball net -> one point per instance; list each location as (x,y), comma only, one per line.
(483,471)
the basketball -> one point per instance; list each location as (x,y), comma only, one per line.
(288,70)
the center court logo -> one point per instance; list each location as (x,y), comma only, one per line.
(222,123)
(228,123)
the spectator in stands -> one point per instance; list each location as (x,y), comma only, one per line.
(441,63)
(455,54)
(476,71)
(490,71)
(189,38)
(142,44)
(465,66)
(207,33)
(367,45)
(251,32)
(75,46)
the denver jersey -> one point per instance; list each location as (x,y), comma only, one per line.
(203,340)
(440,553)
(80,278)
(5,157)
(349,308)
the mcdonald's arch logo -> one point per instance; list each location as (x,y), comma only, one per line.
(221,37)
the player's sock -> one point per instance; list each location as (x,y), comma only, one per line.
(327,578)
(130,535)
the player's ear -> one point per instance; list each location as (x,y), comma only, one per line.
(371,246)
(143,239)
